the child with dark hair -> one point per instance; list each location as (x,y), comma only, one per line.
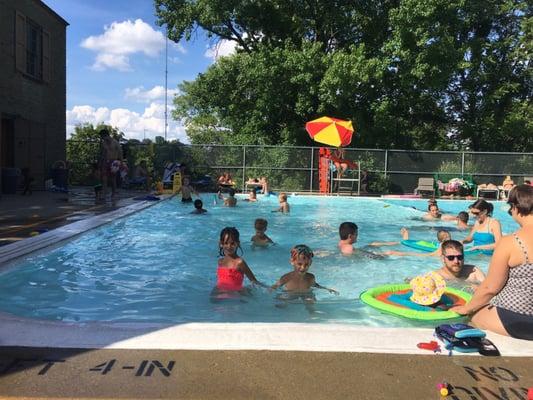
(232,268)
(198,207)
(260,238)
(299,282)
(231,200)
(462,220)
(348,236)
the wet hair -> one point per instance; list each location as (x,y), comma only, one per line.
(283,196)
(229,232)
(260,223)
(231,192)
(442,233)
(463,216)
(198,204)
(431,204)
(521,197)
(103,132)
(452,244)
(432,201)
(483,205)
(301,250)
(347,228)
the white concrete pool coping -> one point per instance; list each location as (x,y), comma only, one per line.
(17,331)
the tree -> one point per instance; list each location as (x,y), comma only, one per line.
(413,74)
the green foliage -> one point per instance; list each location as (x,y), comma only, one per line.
(415,74)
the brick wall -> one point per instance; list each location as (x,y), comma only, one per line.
(37,106)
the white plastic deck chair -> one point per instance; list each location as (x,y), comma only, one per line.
(425,185)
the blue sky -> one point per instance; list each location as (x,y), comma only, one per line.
(116,64)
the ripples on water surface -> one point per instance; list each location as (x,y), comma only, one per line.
(159,265)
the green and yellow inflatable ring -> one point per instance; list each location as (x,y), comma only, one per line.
(394,299)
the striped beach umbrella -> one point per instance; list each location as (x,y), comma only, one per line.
(330,131)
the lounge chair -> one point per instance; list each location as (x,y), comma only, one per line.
(426,185)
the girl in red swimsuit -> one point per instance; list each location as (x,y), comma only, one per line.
(231,268)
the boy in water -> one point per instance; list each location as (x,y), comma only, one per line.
(348,234)
(198,207)
(462,221)
(299,282)
(283,204)
(260,238)
(231,200)
(186,191)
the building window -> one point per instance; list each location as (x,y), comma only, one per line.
(32,44)
(34,50)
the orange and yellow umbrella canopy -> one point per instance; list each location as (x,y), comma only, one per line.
(331,131)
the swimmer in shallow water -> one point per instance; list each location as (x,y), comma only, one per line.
(299,282)
(260,239)
(348,232)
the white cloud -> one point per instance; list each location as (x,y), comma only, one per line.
(121,39)
(221,49)
(140,94)
(150,123)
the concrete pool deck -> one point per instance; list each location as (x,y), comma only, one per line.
(47,359)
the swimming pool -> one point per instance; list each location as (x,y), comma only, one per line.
(159,265)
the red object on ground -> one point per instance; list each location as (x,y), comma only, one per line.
(323,169)
(433,346)
(530,393)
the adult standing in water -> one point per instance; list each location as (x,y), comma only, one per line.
(503,302)
(110,162)
(486,230)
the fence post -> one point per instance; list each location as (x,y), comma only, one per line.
(462,164)
(311,176)
(386,162)
(243,166)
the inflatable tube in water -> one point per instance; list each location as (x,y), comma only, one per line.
(424,245)
(394,299)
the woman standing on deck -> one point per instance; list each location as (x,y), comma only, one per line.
(503,302)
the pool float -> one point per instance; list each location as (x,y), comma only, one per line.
(424,245)
(395,299)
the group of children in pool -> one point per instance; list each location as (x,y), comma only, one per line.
(427,289)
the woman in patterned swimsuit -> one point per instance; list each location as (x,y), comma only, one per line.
(503,303)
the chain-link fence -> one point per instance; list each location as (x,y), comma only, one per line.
(296,168)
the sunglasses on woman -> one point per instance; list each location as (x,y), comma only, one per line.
(460,257)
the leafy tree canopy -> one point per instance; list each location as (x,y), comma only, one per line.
(414,74)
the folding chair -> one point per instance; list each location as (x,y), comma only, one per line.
(426,185)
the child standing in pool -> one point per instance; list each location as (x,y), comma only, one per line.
(283,204)
(231,268)
(260,238)
(348,236)
(187,190)
(299,282)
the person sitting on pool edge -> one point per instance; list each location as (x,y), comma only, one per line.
(198,207)
(260,238)
(453,266)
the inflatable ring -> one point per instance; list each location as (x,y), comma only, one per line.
(424,245)
(379,298)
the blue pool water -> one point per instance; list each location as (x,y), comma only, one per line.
(159,265)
